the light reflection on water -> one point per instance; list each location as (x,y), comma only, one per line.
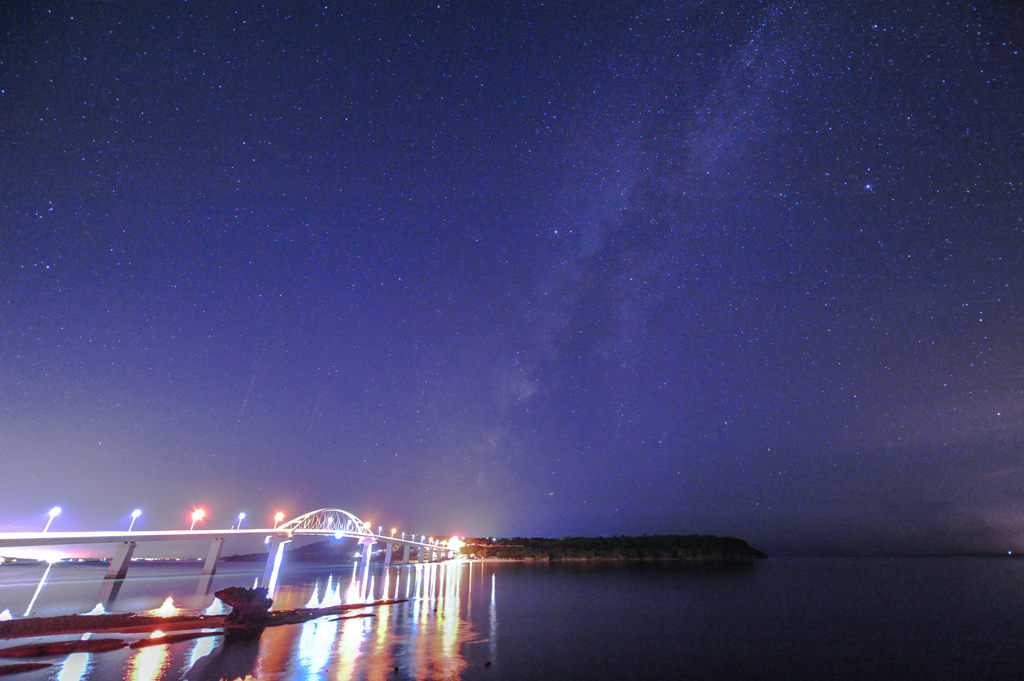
(74,667)
(422,636)
(148,664)
(841,619)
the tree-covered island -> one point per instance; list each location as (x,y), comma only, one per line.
(656,547)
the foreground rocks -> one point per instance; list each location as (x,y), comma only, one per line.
(250,607)
(131,623)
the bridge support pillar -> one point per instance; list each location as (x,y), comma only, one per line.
(114,578)
(210,567)
(274,558)
(423,554)
(387,555)
(119,564)
(367,544)
(405,555)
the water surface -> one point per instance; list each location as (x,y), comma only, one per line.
(783,618)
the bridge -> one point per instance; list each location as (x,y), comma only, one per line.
(325,522)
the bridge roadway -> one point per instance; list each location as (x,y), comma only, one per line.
(322,523)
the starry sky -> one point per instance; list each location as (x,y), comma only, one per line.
(494,268)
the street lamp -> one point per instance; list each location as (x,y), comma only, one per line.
(278,517)
(197,514)
(135,516)
(241,517)
(393,530)
(54,512)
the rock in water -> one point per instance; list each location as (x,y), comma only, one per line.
(250,606)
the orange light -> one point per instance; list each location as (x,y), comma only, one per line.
(278,517)
(198,514)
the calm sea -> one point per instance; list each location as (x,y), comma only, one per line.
(783,618)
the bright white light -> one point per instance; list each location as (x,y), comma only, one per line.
(136,513)
(54,512)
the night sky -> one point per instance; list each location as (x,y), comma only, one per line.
(494,268)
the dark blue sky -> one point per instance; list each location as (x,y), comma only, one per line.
(494,268)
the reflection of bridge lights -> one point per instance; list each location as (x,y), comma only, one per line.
(338,535)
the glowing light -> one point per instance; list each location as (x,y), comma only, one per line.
(456,543)
(216,608)
(135,516)
(157,634)
(241,517)
(278,517)
(54,512)
(98,610)
(167,609)
(6,615)
(197,515)
(393,530)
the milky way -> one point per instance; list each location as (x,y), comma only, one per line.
(733,268)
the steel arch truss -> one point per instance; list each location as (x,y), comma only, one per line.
(328,521)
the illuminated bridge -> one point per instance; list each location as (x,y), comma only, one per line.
(326,522)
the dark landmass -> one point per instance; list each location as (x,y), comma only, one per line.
(657,547)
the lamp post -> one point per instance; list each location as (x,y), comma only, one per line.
(197,514)
(135,516)
(278,517)
(241,517)
(54,512)
(393,530)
